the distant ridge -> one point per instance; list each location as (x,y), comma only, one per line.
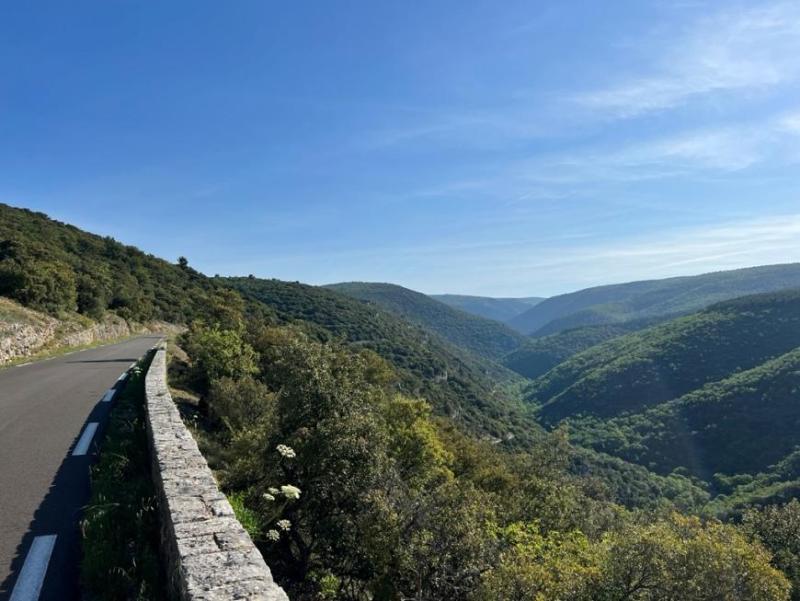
(484,337)
(651,298)
(499,309)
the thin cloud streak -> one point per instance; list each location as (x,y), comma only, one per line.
(732,52)
(547,267)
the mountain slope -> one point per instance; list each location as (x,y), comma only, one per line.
(669,360)
(652,298)
(471,390)
(55,267)
(499,309)
(721,427)
(483,337)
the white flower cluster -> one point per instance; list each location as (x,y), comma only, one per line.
(290,492)
(286,451)
(268,496)
(283,524)
(273,535)
(273,491)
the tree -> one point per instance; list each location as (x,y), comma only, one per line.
(778,529)
(218,353)
(682,558)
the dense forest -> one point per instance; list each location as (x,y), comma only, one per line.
(484,337)
(537,356)
(668,360)
(373,457)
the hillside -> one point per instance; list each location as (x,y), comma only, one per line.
(652,298)
(499,309)
(537,356)
(666,361)
(57,268)
(719,428)
(471,390)
(481,336)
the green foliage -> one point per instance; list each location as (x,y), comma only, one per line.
(484,337)
(537,356)
(682,558)
(248,518)
(120,526)
(664,560)
(498,309)
(55,267)
(778,529)
(475,392)
(238,403)
(652,299)
(218,353)
(43,285)
(669,360)
(720,428)
(394,502)
(537,567)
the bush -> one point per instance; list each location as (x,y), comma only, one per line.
(218,353)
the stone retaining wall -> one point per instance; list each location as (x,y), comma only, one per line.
(208,554)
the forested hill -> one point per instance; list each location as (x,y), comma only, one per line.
(671,359)
(55,267)
(499,309)
(713,394)
(652,298)
(484,337)
(468,388)
(537,356)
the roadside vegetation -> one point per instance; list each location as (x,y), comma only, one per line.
(120,526)
(354,491)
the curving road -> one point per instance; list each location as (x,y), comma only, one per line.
(47,410)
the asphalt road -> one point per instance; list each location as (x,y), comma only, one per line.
(44,409)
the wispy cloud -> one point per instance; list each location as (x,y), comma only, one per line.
(734,51)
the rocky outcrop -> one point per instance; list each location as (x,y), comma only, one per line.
(209,555)
(24,332)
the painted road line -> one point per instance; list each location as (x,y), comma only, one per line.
(86,439)
(31,578)
(108,395)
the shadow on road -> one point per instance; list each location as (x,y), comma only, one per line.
(60,513)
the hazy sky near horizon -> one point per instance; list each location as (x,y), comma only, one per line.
(500,148)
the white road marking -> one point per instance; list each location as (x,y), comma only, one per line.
(31,577)
(86,439)
(108,395)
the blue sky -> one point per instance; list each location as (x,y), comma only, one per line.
(499,148)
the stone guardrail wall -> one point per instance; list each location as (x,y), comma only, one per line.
(208,553)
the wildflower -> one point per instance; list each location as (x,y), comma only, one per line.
(286,451)
(273,535)
(268,496)
(290,492)
(273,491)
(283,524)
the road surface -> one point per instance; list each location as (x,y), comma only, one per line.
(47,412)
